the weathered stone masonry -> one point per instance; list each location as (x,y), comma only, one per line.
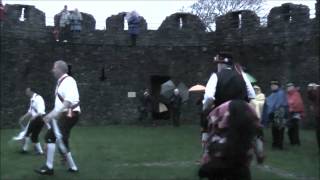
(106,68)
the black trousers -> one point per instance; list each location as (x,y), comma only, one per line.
(318,131)
(293,131)
(145,116)
(218,170)
(175,116)
(65,124)
(34,129)
(277,137)
(65,33)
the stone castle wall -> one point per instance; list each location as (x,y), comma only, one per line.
(107,68)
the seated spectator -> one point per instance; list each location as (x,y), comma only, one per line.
(56,34)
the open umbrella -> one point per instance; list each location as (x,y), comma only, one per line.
(197,87)
(251,78)
(184,92)
(167,89)
(162,108)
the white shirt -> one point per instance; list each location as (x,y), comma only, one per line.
(37,106)
(68,90)
(210,90)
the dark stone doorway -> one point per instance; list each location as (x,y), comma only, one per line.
(156,82)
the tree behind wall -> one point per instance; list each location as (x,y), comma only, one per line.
(208,10)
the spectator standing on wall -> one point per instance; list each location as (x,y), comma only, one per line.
(55,33)
(64,23)
(75,23)
(133,20)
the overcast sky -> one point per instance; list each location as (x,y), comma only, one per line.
(154,11)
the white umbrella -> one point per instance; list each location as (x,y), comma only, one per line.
(162,107)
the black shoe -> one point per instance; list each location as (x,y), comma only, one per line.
(44,170)
(73,170)
(23,152)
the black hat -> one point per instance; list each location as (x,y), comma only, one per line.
(223,57)
(276,82)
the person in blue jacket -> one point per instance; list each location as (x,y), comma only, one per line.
(133,20)
(275,111)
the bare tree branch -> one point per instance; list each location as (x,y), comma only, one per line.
(208,10)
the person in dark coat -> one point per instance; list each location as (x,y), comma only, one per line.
(175,104)
(145,107)
(133,20)
(314,97)
(275,111)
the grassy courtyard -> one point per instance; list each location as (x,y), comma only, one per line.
(158,153)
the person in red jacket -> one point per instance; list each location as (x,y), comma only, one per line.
(314,97)
(296,113)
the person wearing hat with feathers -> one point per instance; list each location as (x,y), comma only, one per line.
(228,83)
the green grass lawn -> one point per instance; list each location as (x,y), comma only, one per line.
(134,152)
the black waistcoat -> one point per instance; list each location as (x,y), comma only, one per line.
(230,85)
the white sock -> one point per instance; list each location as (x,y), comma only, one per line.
(38,147)
(27,141)
(70,161)
(51,147)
